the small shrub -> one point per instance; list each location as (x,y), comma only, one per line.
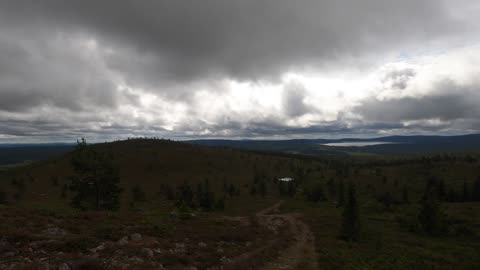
(107,232)
(77,244)
(3,197)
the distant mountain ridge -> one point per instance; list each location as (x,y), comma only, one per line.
(18,153)
(397,145)
(15,145)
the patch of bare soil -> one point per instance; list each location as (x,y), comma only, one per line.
(298,254)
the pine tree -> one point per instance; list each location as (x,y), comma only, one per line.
(253,190)
(220,204)
(341,194)
(205,197)
(350,229)
(3,197)
(96,182)
(138,195)
(315,192)
(63,195)
(476,191)
(466,194)
(262,188)
(332,189)
(291,188)
(406,199)
(441,189)
(232,191)
(431,216)
(54,180)
(185,196)
(451,196)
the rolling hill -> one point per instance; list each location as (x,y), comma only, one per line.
(262,223)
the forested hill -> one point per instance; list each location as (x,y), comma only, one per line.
(386,145)
(13,154)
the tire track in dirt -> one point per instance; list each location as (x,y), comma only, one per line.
(300,254)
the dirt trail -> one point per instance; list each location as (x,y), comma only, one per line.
(300,254)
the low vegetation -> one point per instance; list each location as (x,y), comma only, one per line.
(146,203)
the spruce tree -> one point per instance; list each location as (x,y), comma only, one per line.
(253,190)
(262,188)
(220,204)
(466,194)
(96,182)
(350,229)
(185,196)
(341,194)
(431,216)
(138,195)
(476,191)
(405,196)
(3,197)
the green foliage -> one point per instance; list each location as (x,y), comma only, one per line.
(138,195)
(220,204)
(466,194)
(387,199)
(314,192)
(341,194)
(350,228)
(185,196)
(54,181)
(476,191)
(262,188)
(287,188)
(77,243)
(253,190)
(168,192)
(3,197)
(405,196)
(107,232)
(96,183)
(332,188)
(205,197)
(431,217)
(232,190)
(64,191)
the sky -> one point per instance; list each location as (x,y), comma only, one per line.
(256,69)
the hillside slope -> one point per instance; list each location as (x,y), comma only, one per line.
(38,223)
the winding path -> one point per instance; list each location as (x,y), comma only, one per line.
(300,254)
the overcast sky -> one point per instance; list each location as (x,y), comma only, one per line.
(237,69)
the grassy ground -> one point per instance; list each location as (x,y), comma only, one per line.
(386,240)
(386,244)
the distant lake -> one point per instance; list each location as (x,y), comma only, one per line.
(356,144)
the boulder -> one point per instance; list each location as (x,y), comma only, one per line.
(136,237)
(63,266)
(146,252)
(123,241)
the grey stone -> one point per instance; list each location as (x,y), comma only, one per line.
(146,252)
(136,237)
(123,241)
(63,266)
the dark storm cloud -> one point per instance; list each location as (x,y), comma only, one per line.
(180,40)
(50,73)
(449,102)
(441,107)
(62,62)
